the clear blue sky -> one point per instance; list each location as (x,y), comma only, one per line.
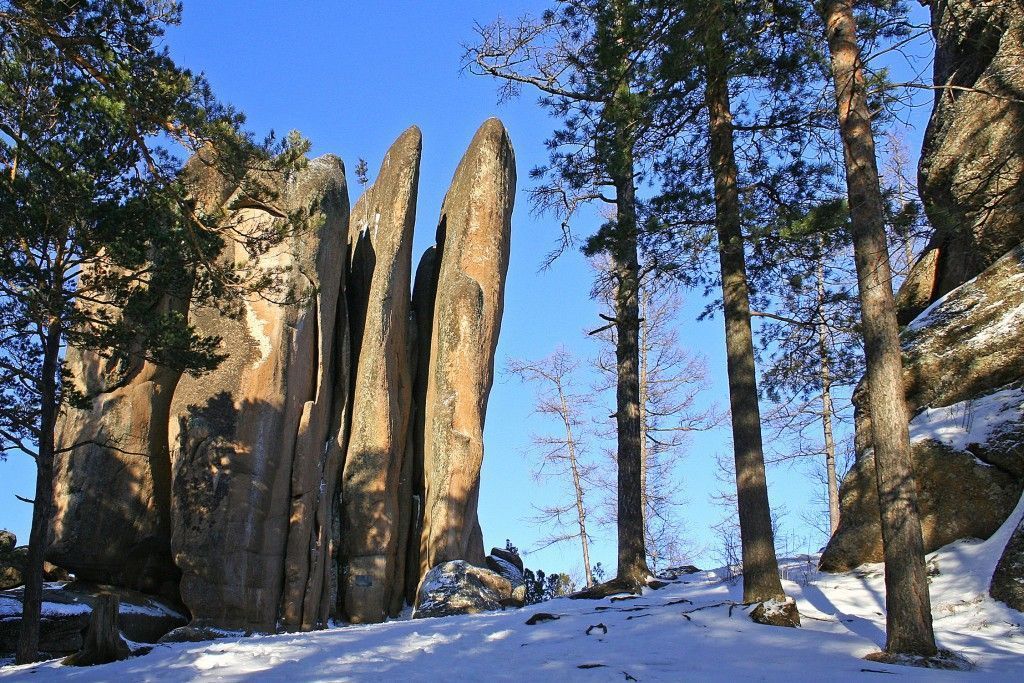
(351,77)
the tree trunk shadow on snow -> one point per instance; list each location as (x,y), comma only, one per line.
(855,624)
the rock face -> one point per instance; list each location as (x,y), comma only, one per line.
(334,455)
(963,372)
(66,610)
(255,442)
(973,156)
(375,516)
(111,514)
(458,587)
(111,506)
(1008,579)
(473,249)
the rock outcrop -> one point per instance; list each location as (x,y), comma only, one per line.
(111,515)
(334,455)
(458,587)
(973,156)
(375,515)
(963,373)
(472,251)
(65,615)
(1008,578)
(252,441)
(112,471)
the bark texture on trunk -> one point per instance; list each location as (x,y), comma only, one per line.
(632,555)
(32,599)
(908,606)
(760,566)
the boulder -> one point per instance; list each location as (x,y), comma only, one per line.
(375,516)
(8,540)
(676,573)
(12,565)
(963,368)
(473,248)
(256,442)
(512,571)
(509,557)
(776,613)
(974,201)
(457,587)
(66,611)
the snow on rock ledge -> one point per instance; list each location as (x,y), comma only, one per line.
(964,379)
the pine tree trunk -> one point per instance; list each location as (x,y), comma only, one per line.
(31,606)
(632,555)
(760,566)
(102,643)
(826,398)
(908,606)
(617,157)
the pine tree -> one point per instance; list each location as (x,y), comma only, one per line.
(97,224)
(908,606)
(590,61)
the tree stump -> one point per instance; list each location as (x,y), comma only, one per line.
(102,642)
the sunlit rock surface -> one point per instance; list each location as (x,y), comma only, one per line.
(473,248)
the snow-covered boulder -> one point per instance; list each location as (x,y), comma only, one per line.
(458,587)
(66,610)
(964,379)
(510,566)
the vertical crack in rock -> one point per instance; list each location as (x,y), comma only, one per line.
(248,437)
(375,513)
(111,517)
(474,232)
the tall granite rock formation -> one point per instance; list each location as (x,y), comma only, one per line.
(375,514)
(111,520)
(424,292)
(472,251)
(973,156)
(253,441)
(334,456)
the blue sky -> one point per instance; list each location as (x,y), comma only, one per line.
(351,77)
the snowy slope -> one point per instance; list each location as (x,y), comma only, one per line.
(681,632)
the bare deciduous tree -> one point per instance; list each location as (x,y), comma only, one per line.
(559,454)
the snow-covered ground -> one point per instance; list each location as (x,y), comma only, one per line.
(686,631)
